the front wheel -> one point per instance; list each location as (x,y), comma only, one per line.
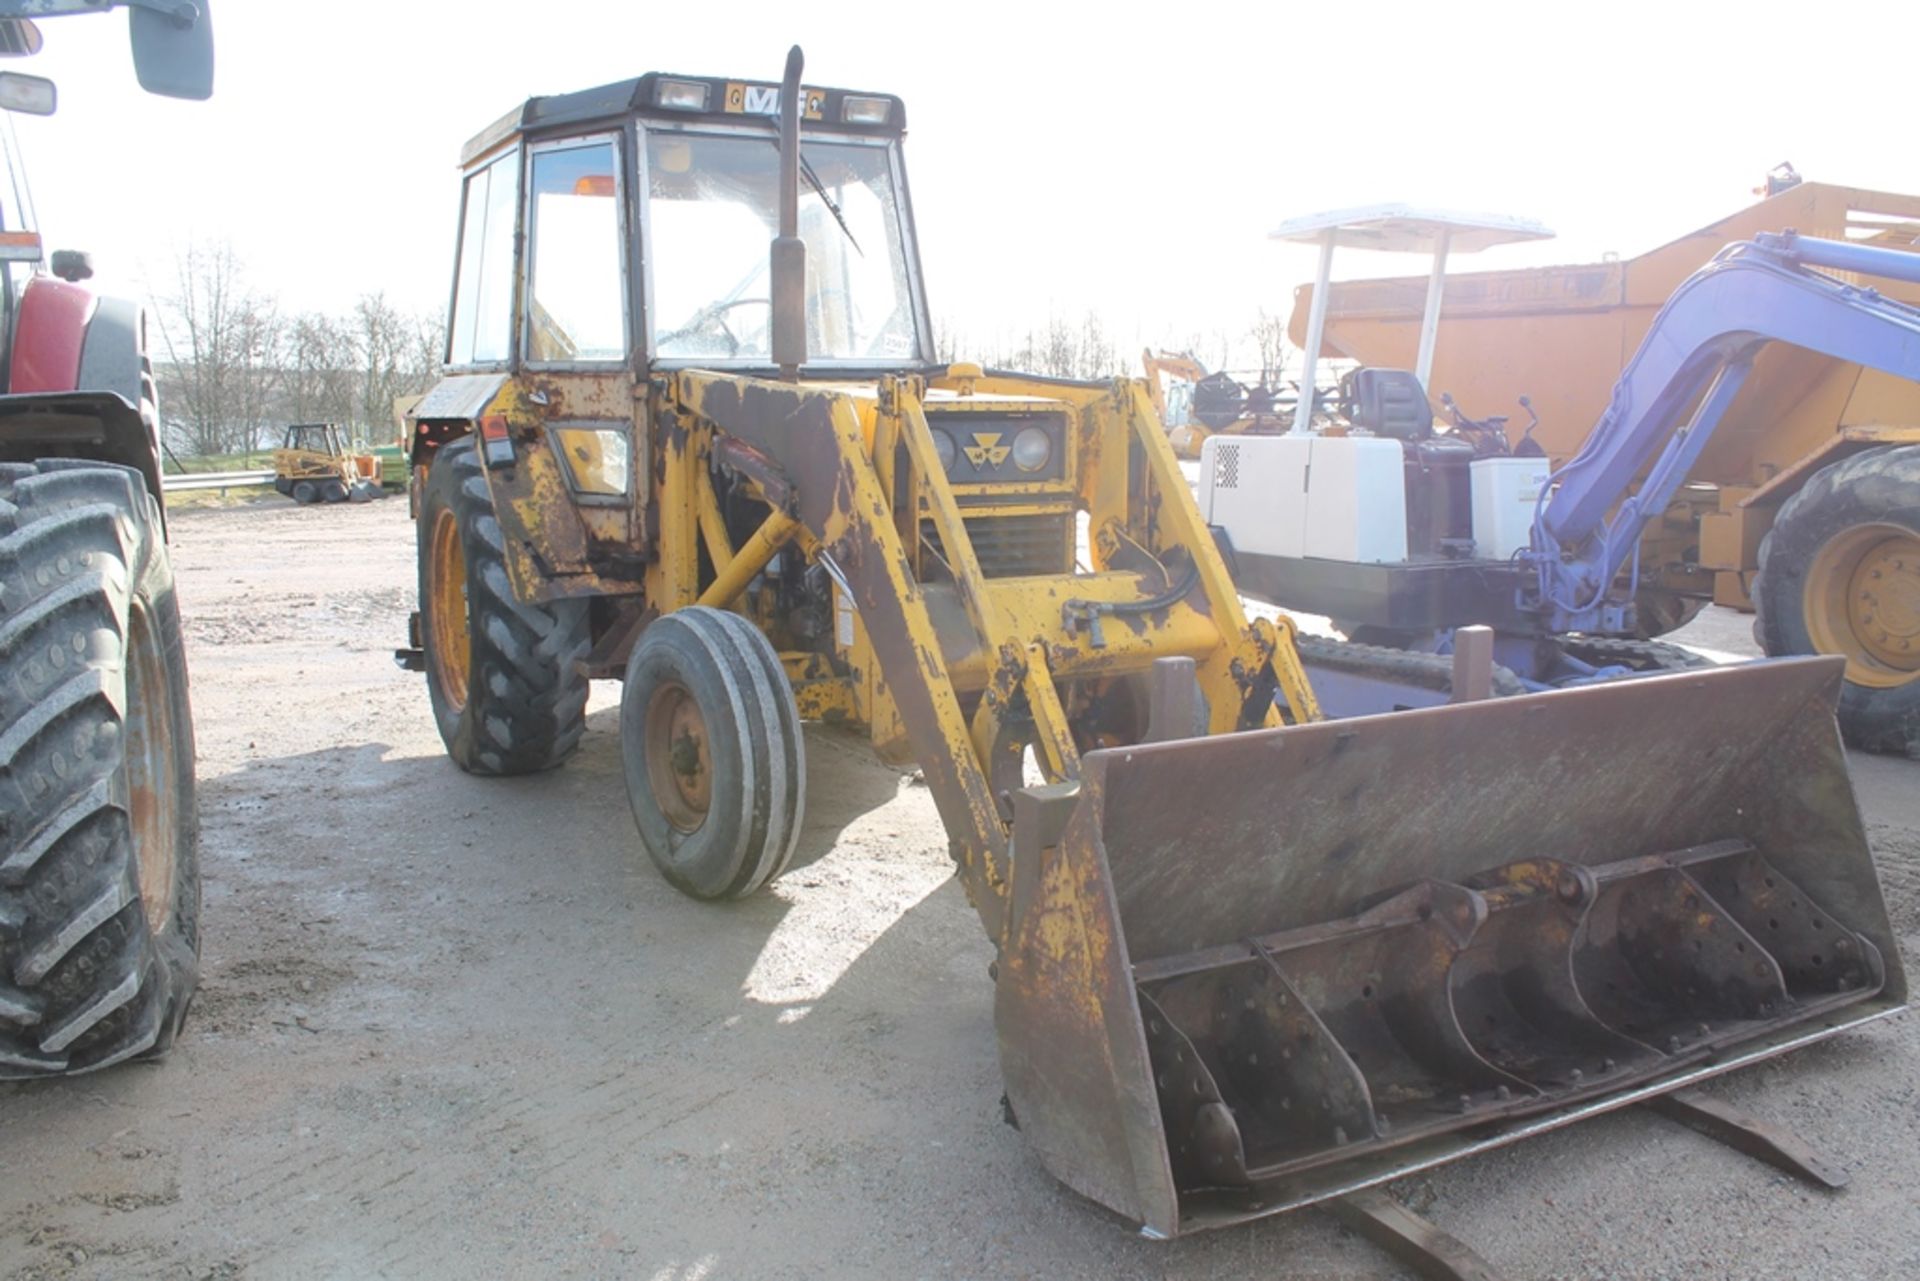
(99,855)
(1840,574)
(711,748)
(503,675)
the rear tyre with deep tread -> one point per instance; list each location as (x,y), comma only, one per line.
(99,868)
(503,676)
(305,492)
(712,752)
(1874,490)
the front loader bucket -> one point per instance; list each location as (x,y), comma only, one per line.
(1250,972)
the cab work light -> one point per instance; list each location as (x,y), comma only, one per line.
(680,95)
(856,110)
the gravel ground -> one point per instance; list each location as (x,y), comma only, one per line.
(452,1027)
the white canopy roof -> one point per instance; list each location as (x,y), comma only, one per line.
(1401,228)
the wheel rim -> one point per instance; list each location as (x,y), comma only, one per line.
(152,794)
(679,768)
(447,638)
(1863,602)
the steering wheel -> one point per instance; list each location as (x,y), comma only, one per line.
(713,314)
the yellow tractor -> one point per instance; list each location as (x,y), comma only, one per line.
(692,435)
(314,465)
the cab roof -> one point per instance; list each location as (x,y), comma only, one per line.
(726,100)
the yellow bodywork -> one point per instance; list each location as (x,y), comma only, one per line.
(947,673)
(1561,336)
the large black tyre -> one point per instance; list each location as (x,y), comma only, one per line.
(99,866)
(1828,584)
(333,491)
(503,676)
(712,752)
(304,492)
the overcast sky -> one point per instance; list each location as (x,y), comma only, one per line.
(1119,159)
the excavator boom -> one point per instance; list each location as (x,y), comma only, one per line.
(1698,353)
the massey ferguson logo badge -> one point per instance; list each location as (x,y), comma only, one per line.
(986,450)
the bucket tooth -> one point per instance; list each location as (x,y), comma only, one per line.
(1513,986)
(1381,987)
(1658,960)
(1290,1088)
(1203,1138)
(1818,957)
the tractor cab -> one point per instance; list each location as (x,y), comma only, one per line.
(315,438)
(648,206)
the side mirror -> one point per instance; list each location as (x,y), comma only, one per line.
(30,95)
(173,51)
(19,38)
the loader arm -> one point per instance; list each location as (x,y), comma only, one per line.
(830,496)
(1698,353)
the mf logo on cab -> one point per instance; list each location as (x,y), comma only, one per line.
(986,449)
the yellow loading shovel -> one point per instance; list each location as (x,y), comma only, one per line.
(1250,972)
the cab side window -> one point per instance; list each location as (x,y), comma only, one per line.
(575,310)
(483,296)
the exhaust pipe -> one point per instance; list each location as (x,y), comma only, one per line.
(787,273)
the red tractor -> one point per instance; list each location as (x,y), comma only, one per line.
(99,874)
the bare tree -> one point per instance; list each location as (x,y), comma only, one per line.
(257,371)
(206,332)
(1269,335)
(320,383)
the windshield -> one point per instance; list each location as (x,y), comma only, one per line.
(712,213)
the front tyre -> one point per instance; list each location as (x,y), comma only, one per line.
(99,857)
(711,748)
(503,676)
(1840,574)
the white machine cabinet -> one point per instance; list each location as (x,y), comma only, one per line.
(1336,497)
(1503,492)
(1357,499)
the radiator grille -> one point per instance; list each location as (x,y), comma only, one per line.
(1226,466)
(1011,545)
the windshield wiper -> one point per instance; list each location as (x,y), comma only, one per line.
(813,180)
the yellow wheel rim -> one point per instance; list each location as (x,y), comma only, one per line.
(1862,601)
(447,639)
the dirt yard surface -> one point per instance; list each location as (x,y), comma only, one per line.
(452,1027)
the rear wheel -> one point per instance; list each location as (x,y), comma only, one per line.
(99,867)
(503,675)
(1840,574)
(711,747)
(305,491)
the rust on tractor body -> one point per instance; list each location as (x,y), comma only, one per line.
(1247,959)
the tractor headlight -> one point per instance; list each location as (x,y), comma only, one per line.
(680,95)
(595,458)
(944,449)
(856,110)
(1032,449)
